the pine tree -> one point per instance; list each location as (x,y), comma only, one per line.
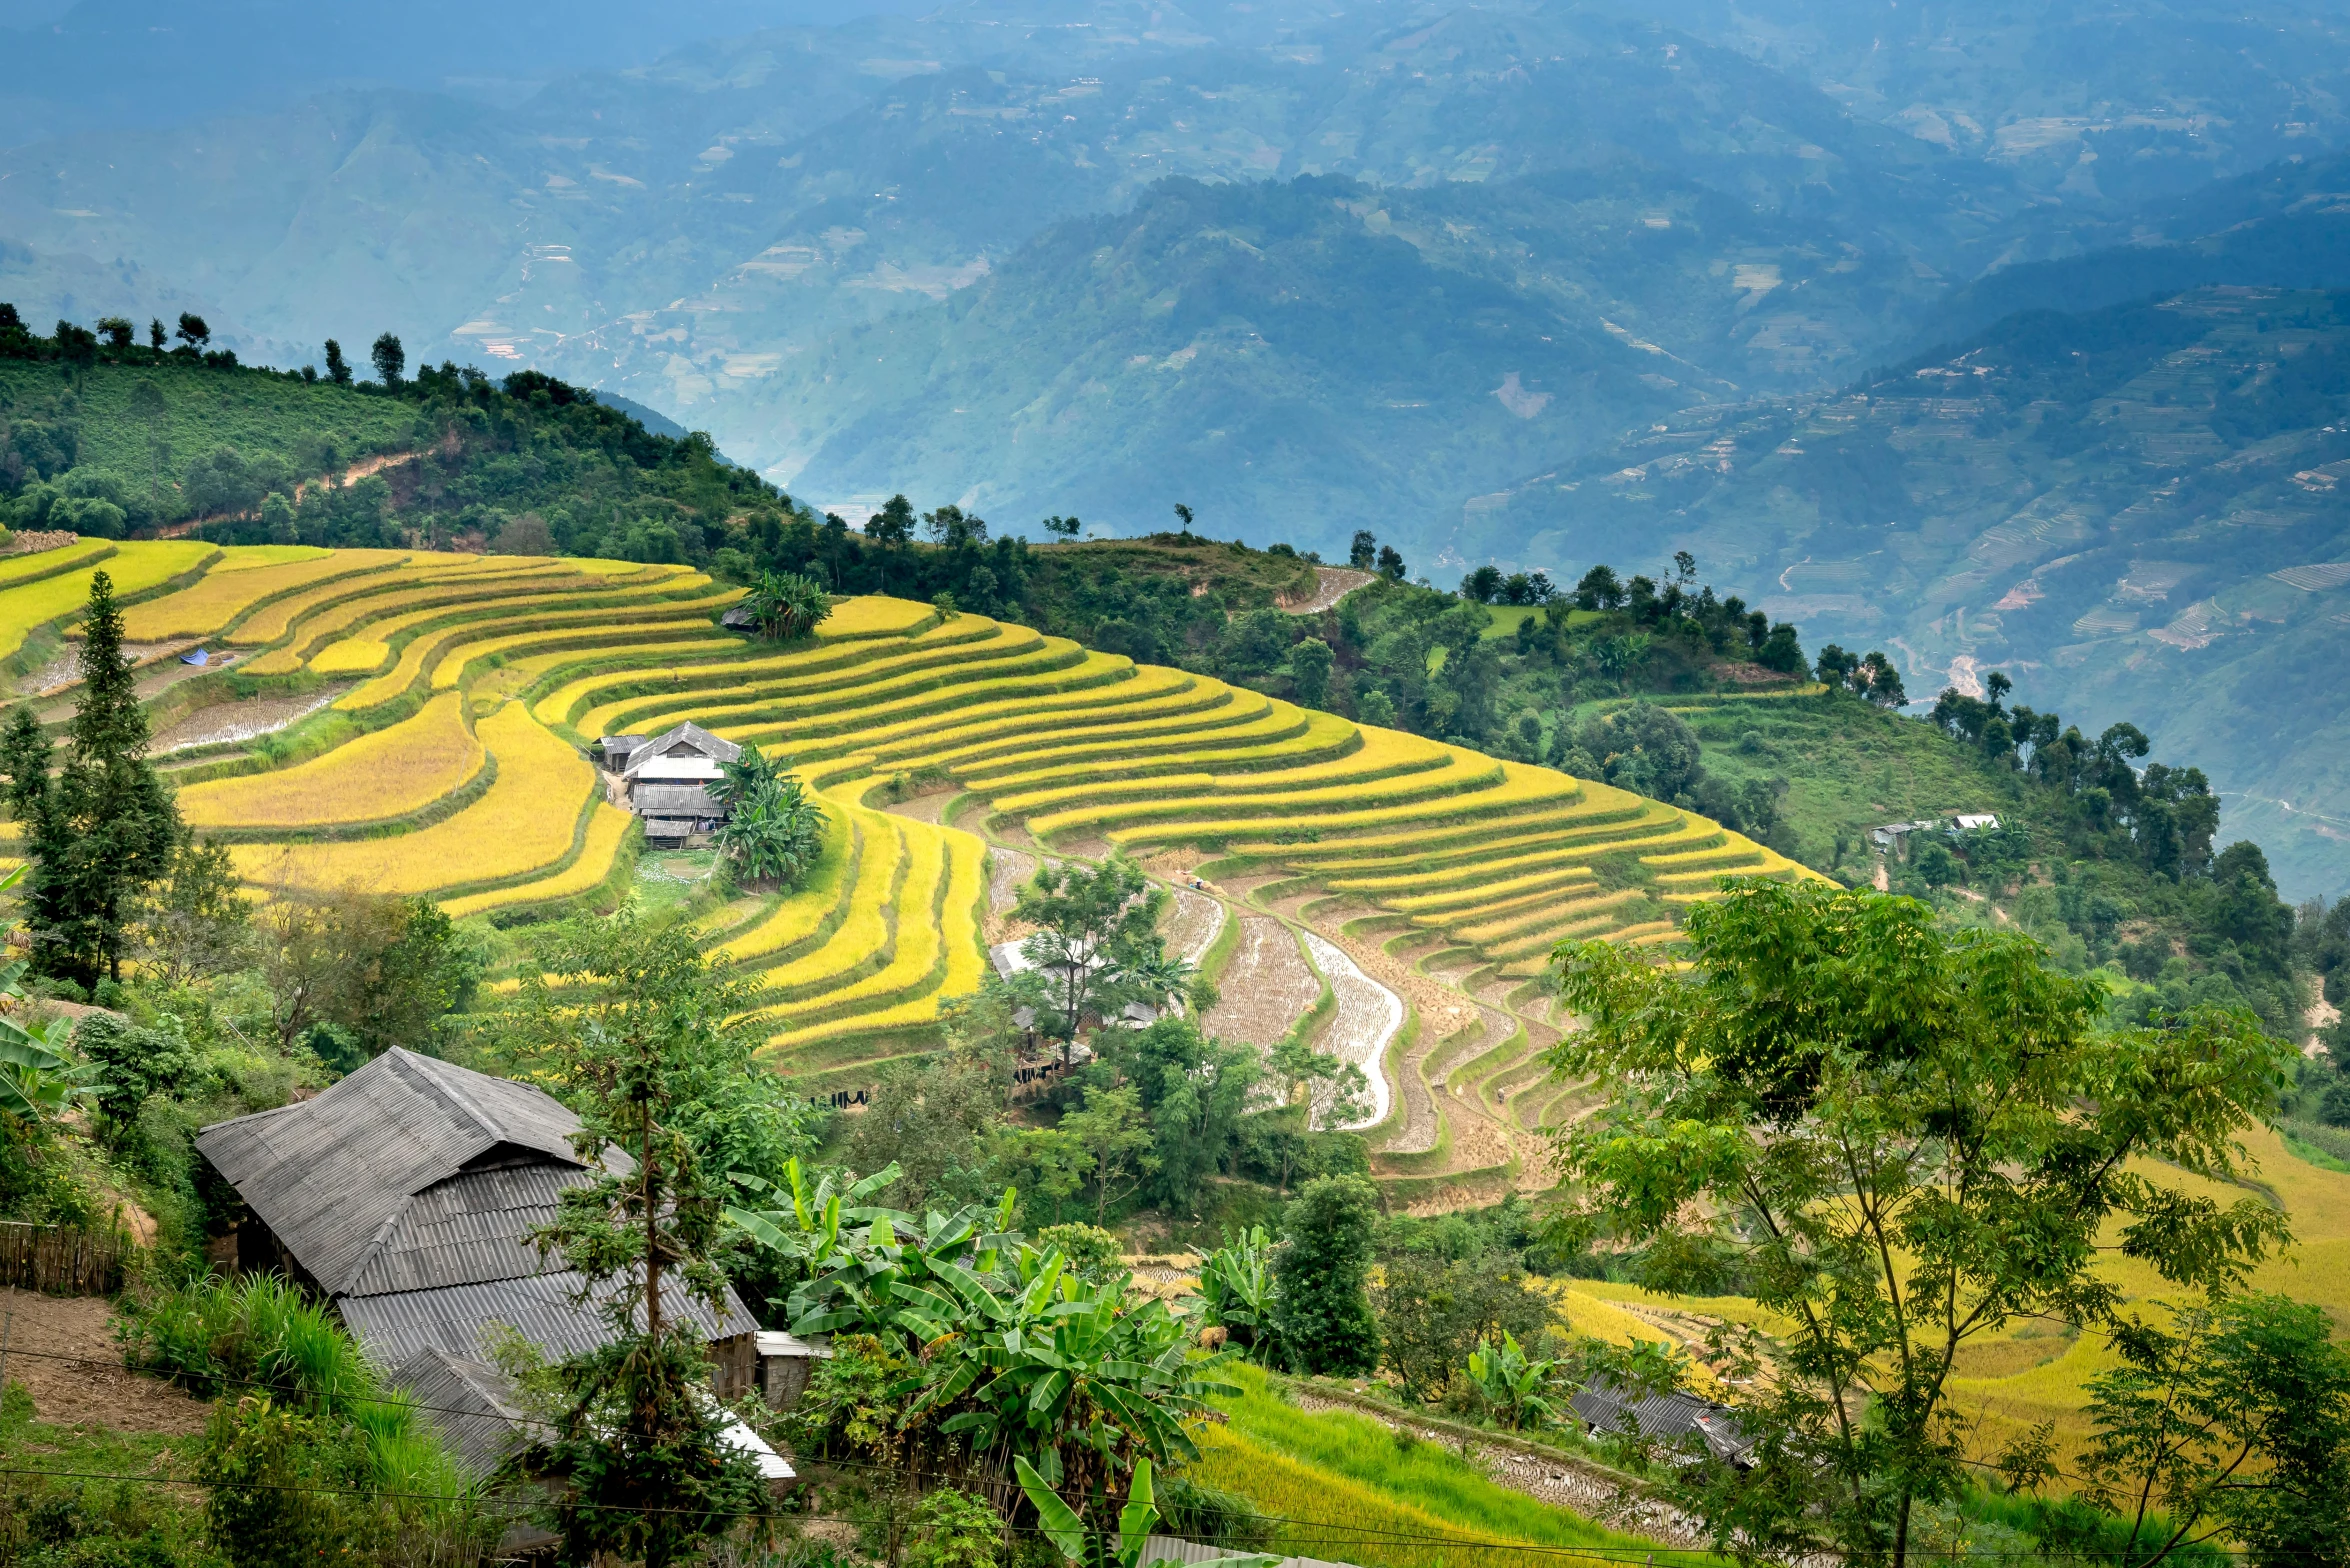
(104,830)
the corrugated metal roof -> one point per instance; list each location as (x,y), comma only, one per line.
(673,800)
(467,1401)
(471,1228)
(392,1329)
(330,1174)
(688,739)
(1669,1416)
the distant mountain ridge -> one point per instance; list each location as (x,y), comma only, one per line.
(2134,511)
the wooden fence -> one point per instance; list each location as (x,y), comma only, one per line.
(61,1259)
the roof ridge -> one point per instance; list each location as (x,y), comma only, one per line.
(488,1126)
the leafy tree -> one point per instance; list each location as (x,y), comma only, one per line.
(104,831)
(338,369)
(117,331)
(1090,922)
(1194,1094)
(1310,662)
(2232,1422)
(194,923)
(1321,1297)
(1391,564)
(389,359)
(193,333)
(1483,585)
(1116,1138)
(1902,1139)
(929,1121)
(629,1025)
(1362,553)
(1434,1312)
(1599,589)
(1063,527)
(1183,516)
(156,336)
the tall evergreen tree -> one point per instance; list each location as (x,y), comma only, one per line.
(103,830)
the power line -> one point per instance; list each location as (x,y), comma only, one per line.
(1358,1534)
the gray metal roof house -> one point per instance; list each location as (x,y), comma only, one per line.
(1670,1417)
(666,781)
(407,1194)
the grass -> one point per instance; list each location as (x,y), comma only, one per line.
(1343,1485)
(386,773)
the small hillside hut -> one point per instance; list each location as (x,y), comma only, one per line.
(666,781)
(407,1195)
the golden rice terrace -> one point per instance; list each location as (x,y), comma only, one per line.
(422,723)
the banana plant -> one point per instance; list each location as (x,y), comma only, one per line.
(1008,1350)
(38,1081)
(1066,1529)
(1517,1389)
(1236,1290)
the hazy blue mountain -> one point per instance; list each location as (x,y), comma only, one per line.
(2089,101)
(114,64)
(1261,352)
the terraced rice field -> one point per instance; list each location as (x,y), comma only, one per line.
(1389,897)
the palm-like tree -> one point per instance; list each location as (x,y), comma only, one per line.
(773,832)
(788,605)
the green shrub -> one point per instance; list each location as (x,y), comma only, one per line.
(283,1488)
(954,1529)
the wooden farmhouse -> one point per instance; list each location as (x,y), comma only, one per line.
(407,1195)
(666,782)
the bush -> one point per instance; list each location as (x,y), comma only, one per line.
(954,1529)
(284,1488)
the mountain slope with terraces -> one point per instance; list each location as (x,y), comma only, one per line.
(425,725)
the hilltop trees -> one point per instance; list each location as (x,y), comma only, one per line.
(390,361)
(1902,1139)
(103,830)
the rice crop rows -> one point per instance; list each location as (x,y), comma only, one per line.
(393,772)
(212,604)
(134,567)
(526,823)
(487,799)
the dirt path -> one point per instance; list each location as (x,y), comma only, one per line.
(358,470)
(60,1349)
(1266,988)
(1331,584)
(1368,1018)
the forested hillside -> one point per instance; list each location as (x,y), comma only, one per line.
(2132,509)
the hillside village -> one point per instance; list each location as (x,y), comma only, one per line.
(544,1048)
